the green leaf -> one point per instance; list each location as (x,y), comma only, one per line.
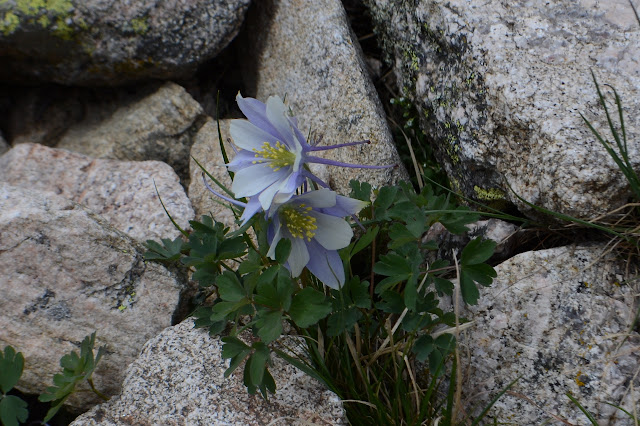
(342,320)
(469,275)
(400,235)
(477,251)
(269,325)
(11,366)
(470,293)
(232,248)
(284,287)
(229,287)
(235,349)
(411,293)
(253,263)
(283,249)
(221,310)
(232,346)
(360,190)
(169,251)
(13,410)
(364,241)
(423,347)
(257,363)
(392,264)
(392,302)
(308,307)
(359,292)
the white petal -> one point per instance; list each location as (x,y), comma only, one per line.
(321,198)
(247,136)
(333,233)
(266,197)
(299,256)
(253,179)
(277,114)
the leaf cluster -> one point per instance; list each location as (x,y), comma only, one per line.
(363,339)
(13,410)
(208,246)
(75,369)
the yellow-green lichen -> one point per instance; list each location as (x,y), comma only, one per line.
(63,30)
(140,25)
(44,21)
(59,7)
(30,7)
(492,194)
(9,23)
(452,148)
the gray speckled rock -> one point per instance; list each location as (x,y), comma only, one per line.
(500,86)
(179,380)
(4,146)
(42,114)
(206,150)
(161,126)
(96,42)
(306,51)
(557,318)
(121,191)
(65,273)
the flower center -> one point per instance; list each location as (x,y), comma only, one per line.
(298,221)
(277,155)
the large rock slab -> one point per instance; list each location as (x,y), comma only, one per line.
(65,273)
(124,192)
(92,42)
(161,126)
(179,380)
(307,51)
(500,87)
(561,320)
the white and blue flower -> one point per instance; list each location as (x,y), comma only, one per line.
(314,223)
(273,152)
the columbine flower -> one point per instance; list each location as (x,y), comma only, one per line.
(314,223)
(272,155)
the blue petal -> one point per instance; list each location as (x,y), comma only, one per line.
(253,206)
(242,159)
(267,195)
(345,206)
(326,265)
(299,135)
(256,112)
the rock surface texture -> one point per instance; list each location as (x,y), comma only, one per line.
(206,149)
(179,379)
(65,273)
(4,146)
(93,42)
(124,192)
(500,87)
(306,51)
(557,318)
(160,126)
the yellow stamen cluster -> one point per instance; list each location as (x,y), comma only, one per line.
(278,155)
(298,221)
